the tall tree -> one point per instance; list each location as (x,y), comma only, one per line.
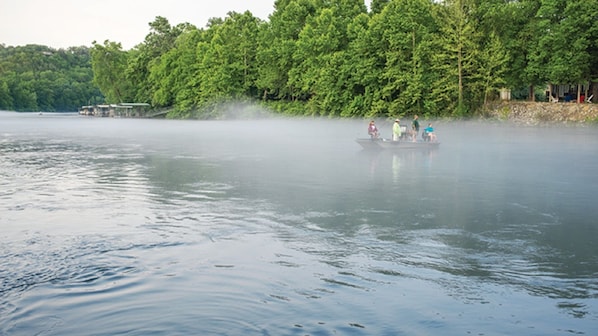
(317,41)
(277,45)
(359,73)
(321,54)
(367,61)
(406,27)
(575,44)
(109,63)
(457,49)
(548,15)
(227,60)
(511,23)
(491,68)
(177,74)
(143,57)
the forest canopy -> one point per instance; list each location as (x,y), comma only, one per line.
(336,58)
(39,78)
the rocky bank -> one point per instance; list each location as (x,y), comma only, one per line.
(541,112)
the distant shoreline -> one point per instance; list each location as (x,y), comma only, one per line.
(525,113)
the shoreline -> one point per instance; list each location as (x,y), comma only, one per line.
(534,113)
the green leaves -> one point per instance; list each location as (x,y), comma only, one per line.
(334,58)
(109,63)
(39,78)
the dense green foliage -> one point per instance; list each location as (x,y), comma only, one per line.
(336,58)
(38,78)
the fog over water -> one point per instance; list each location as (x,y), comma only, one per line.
(287,227)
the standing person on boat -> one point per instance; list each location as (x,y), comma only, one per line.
(429,132)
(396,130)
(373,130)
(415,127)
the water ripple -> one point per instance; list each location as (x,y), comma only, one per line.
(133,231)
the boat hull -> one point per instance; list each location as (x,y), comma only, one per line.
(385,144)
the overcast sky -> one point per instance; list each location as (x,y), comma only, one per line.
(69,23)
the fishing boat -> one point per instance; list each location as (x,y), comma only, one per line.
(383,144)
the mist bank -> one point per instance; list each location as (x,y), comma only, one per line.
(522,113)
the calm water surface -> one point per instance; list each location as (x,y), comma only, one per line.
(286,227)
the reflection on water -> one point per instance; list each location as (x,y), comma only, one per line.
(286,227)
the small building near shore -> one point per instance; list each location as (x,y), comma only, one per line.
(86,110)
(131,110)
(575,93)
(125,110)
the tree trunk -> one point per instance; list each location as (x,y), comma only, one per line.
(460,70)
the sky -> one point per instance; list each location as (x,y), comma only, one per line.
(69,23)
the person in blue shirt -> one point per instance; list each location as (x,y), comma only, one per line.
(429,133)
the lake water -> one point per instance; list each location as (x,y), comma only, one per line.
(286,227)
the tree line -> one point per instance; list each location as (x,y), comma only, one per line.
(337,58)
(39,78)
